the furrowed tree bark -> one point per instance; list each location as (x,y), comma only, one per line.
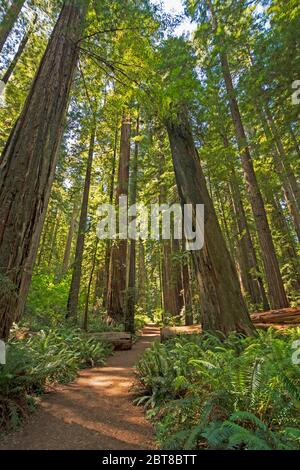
(9,20)
(251,277)
(288,251)
(276,291)
(29,159)
(222,304)
(111,198)
(277,295)
(131,287)
(169,291)
(77,265)
(288,172)
(278,159)
(116,290)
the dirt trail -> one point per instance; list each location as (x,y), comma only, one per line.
(95,412)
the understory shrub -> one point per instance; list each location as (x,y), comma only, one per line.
(204,391)
(37,361)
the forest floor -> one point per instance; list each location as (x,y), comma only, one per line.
(94,412)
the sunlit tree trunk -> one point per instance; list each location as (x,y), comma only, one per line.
(118,257)
(77,265)
(277,295)
(131,286)
(222,304)
(111,198)
(29,159)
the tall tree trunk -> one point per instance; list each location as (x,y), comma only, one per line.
(9,20)
(277,295)
(68,247)
(29,159)
(170,302)
(176,274)
(288,252)
(288,172)
(118,259)
(186,284)
(111,198)
(53,236)
(222,304)
(131,287)
(250,276)
(168,281)
(77,266)
(278,159)
(87,300)
(250,272)
(18,54)
(142,276)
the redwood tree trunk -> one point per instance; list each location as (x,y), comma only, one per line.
(222,304)
(111,198)
(68,247)
(279,157)
(131,287)
(9,20)
(77,266)
(29,159)
(118,258)
(187,290)
(277,295)
(253,283)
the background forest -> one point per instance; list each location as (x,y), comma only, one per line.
(107,98)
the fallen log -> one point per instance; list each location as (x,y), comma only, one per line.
(284,316)
(171,331)
(119,340)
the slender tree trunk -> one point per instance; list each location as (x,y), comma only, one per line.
(186,284)
(252,279)
(87,301)
(288,172)
(53,237)
(277,295)
(278,159)
(176,274)
(77,266)
(250,276)
(18,54)
(142,276)
(168,281)
(131,287)
(68,247)
(29,159)
(9,20)
(111,198)
(288,252)
(222,304)
(118,259)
